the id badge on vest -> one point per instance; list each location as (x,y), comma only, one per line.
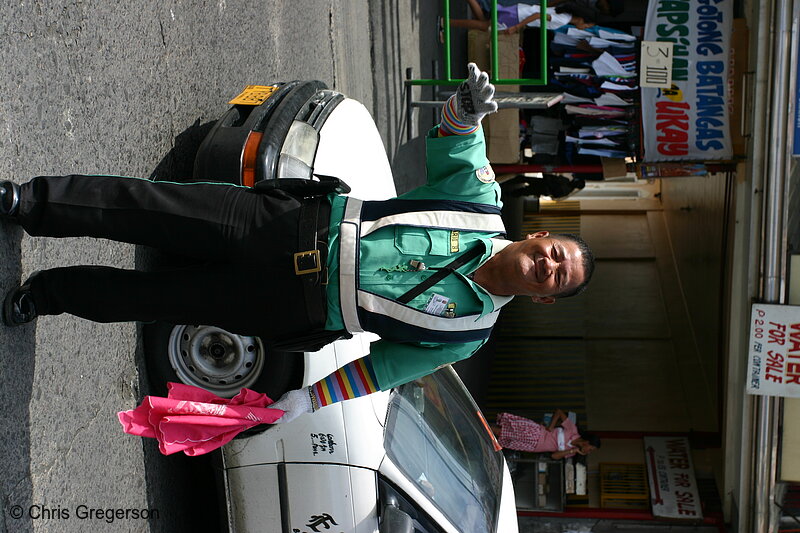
(440,306)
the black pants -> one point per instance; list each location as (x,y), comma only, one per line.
(244,242)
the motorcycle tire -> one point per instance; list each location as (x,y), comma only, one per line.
(281,371)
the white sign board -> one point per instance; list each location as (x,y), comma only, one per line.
(656,64)
(690,119)
(774,358)
(673,487)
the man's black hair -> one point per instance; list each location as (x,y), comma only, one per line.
(588,263)
(579,8)
(592,439)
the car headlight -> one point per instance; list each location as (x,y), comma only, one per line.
(297,152)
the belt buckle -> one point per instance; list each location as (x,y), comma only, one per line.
(307,262)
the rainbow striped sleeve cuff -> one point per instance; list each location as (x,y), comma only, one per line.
(451,124)
(351,381)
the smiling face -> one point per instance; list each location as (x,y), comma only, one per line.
(542,267)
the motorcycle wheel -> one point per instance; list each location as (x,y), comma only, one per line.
(217,360)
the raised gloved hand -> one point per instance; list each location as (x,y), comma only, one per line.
(474,99)
(293,404)
(475,96)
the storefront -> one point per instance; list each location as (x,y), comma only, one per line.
(642,357)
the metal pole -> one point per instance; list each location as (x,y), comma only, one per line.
(409,109)
(447,73)
(767,409)
(522,169)
(437,110)
(543,44)
(494,68)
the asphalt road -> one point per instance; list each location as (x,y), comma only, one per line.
(125,88)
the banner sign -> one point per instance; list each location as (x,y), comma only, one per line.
(673,487)
(774,358)
(690,121)
(796,144)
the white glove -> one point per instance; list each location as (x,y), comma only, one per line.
(475,97)
(293,404)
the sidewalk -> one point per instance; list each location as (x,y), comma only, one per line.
(404,35)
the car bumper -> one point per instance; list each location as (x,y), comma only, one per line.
(255,136)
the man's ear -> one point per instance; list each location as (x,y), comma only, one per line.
(537,235)
(543,299)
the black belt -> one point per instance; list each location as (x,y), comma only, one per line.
(310,261)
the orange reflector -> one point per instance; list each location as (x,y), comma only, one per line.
(249,158)
(496,444)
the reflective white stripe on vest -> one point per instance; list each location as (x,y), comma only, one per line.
(384,306)
(454,220)
(348,254)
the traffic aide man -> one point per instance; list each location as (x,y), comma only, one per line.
(428,271)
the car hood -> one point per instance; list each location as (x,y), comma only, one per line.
(350,148)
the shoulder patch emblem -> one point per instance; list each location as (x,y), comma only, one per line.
(485,174)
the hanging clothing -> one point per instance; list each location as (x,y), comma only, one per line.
(508,16)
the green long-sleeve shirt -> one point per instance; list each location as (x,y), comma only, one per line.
(457,170)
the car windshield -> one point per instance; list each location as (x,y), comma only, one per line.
(436,438)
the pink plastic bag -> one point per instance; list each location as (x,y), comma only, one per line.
(194,421)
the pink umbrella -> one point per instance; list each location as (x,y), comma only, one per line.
(195,421)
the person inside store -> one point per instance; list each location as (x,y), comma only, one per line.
(427,272)
(514,18)
(611,8)
(560,436)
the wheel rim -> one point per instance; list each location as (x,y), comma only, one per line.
(215,359)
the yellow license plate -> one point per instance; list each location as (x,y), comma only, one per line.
(254,95)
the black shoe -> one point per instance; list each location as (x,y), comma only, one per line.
(18,307)
(9,199)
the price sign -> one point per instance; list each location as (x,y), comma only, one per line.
(656,64)
(774,354)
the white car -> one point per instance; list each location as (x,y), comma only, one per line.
(419,458)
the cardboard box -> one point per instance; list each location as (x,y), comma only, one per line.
(501,128)
(613,167)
